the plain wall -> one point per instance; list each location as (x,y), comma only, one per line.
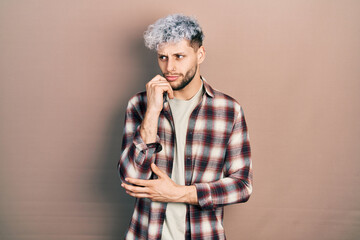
(68,68)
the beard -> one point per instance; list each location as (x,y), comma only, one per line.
(189,76)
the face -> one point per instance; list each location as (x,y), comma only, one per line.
(179,63)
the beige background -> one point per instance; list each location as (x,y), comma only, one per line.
(67,69)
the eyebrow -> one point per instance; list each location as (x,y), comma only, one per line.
(179,53)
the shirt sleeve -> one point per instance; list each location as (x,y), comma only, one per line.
(236,186)
(136,157)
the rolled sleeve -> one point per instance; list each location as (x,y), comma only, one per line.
(136,157)
(204,195)
(143,150)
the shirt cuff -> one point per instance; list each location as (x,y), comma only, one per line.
(141,145)
(138,141)
(204,195)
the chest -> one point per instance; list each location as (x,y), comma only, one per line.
(206,137)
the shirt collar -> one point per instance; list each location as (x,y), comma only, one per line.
(208,89)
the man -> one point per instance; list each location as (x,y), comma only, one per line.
(185,151)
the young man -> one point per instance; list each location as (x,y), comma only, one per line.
(185,151)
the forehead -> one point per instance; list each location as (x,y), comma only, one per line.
(171,47)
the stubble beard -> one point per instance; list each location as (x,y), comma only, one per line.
(189,76)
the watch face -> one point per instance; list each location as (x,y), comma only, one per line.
(151,145)
(157,146)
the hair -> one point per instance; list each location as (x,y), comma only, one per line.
(174,28)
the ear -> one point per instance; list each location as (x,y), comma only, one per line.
(201,54)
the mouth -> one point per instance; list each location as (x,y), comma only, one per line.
(172,78)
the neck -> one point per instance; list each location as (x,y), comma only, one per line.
(190,90)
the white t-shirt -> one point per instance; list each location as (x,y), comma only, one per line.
(174,223)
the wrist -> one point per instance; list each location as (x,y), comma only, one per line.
(189,195)
(147,134)
(153,112)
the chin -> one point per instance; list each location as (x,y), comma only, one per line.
(175,85)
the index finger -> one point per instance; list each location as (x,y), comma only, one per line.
(158,78)
(170,91)
(139,182)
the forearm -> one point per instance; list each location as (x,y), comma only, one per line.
(155,90)
(223,192)
(149,126)
(135,157)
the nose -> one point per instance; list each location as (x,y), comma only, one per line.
(170,65)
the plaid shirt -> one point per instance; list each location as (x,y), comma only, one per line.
(217,162)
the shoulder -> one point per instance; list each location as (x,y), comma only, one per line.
(229,108)
(220,100)
(138,102)
(223,100)
(138,98)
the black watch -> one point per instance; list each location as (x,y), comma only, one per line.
(155,145)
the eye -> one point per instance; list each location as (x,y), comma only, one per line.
(162,58)
(179,56)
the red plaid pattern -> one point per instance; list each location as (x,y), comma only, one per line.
(217,162)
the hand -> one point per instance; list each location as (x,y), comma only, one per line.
(155,89)
(162,189)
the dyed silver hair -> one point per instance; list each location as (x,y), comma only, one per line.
(173,28)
